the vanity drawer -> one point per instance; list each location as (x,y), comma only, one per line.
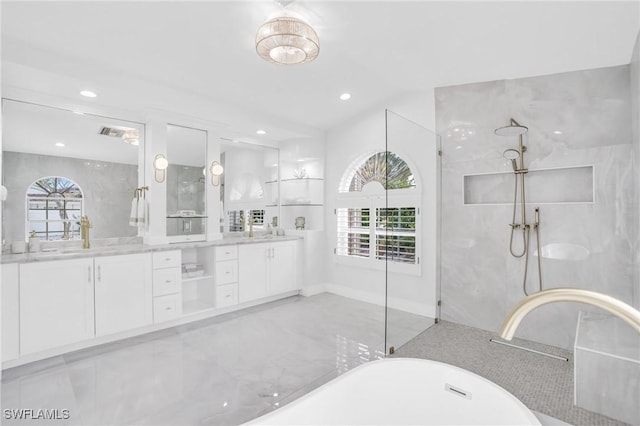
(226,272)
(166,281)
(226,252)
(167,259)
(226,295)
(166,308)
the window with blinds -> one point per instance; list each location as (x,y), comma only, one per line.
(396,234)
(377,224)
(353,232)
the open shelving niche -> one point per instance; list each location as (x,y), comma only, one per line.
(198,293)
(302,197)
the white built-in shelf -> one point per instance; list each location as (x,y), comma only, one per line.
(200,278)
(195,216)
(302,205)
(300,179)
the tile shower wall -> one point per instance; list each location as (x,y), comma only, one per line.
(574,119)
(108,190)
(635,129)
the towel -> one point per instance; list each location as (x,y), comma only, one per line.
(143,214)
(139,215)
(133,217)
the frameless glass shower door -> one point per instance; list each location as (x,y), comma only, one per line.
(406,229)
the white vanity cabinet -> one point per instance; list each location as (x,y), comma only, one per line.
(226,275)
(56,303)
(266,269)
(167,285)
(10,311)
(123,292)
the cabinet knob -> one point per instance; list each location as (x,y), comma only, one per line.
(167,282)
(168,308)
(228,296)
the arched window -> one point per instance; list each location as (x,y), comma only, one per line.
(378,207)
(54,208)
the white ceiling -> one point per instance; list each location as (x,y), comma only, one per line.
(173,55)
(36,129)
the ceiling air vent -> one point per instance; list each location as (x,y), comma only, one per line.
(110,131)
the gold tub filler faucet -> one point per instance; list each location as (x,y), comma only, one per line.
(85,224)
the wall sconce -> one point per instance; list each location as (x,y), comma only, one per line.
(216,170)
(160,165)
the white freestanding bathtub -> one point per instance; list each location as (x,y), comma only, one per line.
(404,391)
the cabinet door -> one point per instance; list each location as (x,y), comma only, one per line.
(56,304)
(123,292)
(10,311)
(252,272)
(282,268)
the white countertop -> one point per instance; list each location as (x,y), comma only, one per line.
(63,253)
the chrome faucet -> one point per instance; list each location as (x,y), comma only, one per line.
(608,303)
(85,224)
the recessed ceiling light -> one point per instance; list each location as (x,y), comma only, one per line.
(88,93)
(345,96)
(261,132)
(557,132)
(60,144)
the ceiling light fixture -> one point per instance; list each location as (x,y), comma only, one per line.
(59,144)
(345,96)
(261,132)
(131,137)
(287,40)
(88,94)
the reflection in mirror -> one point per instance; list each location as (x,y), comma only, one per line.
(249,187)
(54,209)
(98,154)
(186,181)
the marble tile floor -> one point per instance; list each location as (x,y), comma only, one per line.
(223,370)
(543,384)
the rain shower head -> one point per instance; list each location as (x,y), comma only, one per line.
(513,155)
(513,129)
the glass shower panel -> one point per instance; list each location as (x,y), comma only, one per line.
(406,229)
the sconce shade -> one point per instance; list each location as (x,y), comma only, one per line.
(216,170)
(160,164)
(287,40)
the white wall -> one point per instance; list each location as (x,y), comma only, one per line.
(345,143)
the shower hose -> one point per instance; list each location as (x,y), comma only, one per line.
(526,230)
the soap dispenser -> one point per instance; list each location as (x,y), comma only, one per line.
(34,242)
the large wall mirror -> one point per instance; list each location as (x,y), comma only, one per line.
(59,165)
(186,182)
(249,187)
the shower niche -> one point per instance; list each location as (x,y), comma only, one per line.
(553,185)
